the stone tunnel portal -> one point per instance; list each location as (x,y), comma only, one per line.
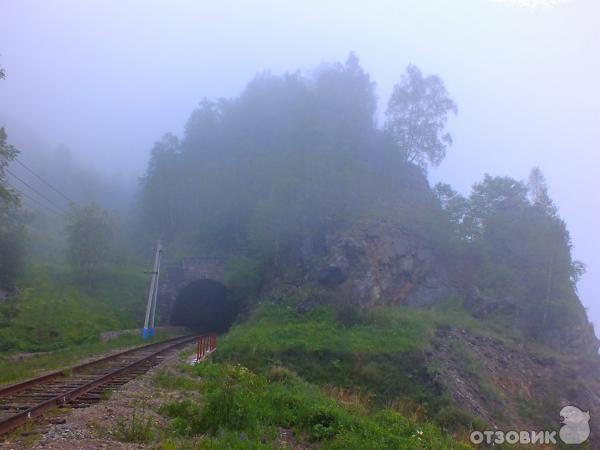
(204,306)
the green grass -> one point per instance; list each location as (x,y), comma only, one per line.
(381,353)
(281,369)
(276,328)
(279,327)
(136,427)
(54,310)
(242,409)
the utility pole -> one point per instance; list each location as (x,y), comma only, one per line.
(156,289)
(152,295)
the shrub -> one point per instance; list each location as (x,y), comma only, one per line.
(323,424)
(186,417)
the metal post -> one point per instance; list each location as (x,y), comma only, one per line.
(152,289)
(156,286)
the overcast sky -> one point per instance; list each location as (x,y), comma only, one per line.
(107,78)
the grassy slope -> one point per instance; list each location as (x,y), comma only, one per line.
(55,313)
(239,409)
(335,385)
(359,385)
(54,310)
(383,355)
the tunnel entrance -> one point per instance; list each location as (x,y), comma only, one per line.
(204,306)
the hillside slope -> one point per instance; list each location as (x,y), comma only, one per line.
(376,310)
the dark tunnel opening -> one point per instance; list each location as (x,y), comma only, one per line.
(204,306)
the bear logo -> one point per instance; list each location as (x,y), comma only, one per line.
(575,428)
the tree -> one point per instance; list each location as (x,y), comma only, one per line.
(288,160)
(416,117)
(89,237)
(161,196)
(346,103)
(7,154)
(12,220)
(524,253)
(455,205)
(538,192)
(493,196)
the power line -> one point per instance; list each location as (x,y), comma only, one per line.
(35,200)
(36,191)
(39,177)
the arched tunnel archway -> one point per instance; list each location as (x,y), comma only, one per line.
(204,306)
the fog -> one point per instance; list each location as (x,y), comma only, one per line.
(107,79)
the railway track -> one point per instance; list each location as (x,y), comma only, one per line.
(81,385)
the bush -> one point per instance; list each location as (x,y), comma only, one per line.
(323,424)
(186,417)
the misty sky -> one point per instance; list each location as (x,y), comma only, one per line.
(108,78)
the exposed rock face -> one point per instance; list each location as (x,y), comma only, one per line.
(380,263)
(500,384)
(580,338)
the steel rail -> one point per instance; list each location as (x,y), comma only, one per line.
(28,414)
(11,389)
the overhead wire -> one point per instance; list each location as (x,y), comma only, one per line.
(38,202)
(47,183)
(36,191)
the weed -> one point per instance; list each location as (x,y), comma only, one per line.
(135,428)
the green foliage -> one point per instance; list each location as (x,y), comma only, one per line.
(289,159)
(244,277)
(7,154)
(276,328)
(516,247)
(451,418)
(89,238)
(53,310)
(169,380)
(416,117)
(12,221)
(456,208)
(383,354)
(241,409)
